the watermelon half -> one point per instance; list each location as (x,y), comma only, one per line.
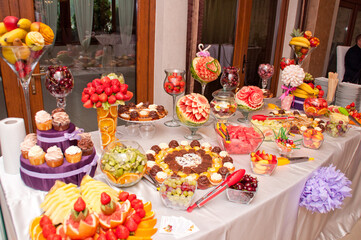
(193,110)
(205,69)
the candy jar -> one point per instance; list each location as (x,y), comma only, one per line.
(230,78)
(223,105)
(59,82)
(174,85)
(265,71)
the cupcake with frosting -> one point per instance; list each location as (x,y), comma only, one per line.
(73,154)
(61,121)
(86,145)
(36,155)
(26,145)
(216,178)
(229,165)
(31,137)
(161,176)
(54,157)
(43,120)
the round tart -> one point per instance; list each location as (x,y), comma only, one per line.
(187,160)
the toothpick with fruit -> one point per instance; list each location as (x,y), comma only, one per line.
(303,43)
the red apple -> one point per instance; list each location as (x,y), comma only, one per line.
(11,23)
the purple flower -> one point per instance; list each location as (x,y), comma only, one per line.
(325,190)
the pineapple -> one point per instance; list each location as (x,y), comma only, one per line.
(296,33)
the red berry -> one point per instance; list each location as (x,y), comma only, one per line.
(123,196)
(44,221)
(89,85)
(27,69)
(352,104)
(88,104)
(110,235)
(86,90)
(311,85)
(122,232)
(94,98)
(97,82)
(19,65)
(115,82)
(54,237)
(140,212)
(131,197)
(136,218)
(21,73)
(104,80)
(348,107)
(319,87)
(128,96)
(99,89)
(103,97)
(124,88)
(79,205)
(108,91)
(85,98)
(105,198)
(91,91)
(119,96)
(48,229)
(131,225)
(115,88)
(102,236)
(112,99)
(98,104)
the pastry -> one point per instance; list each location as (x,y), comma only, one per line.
(73,154)
(160,176)
(61,121)
(229,165)
(54,157)
(43,120)
(215,178)
(141,112)
(203,182)
(86,145)
(36,155)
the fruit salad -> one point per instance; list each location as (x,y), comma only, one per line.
(178,193)
(263,163)
(315,107)
(336,129)
(312,139)
(244,190)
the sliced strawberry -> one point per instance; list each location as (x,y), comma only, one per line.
(98,104)
(88,104)
(48,229)
(128,96)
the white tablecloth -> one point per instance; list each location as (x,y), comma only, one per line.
(273,214)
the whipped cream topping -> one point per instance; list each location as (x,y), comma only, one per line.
(35,151)
(42,116)
(318,129)
(216,177)
(223,154)
(53,153)
(139,105)
(206,145)
(228,165)
(72,150)
(184,143)
(61,118)
(189,160)
(163,145)
(150,152)
(161,175)
(31,137)
(303,128)
(27,144)
(153,106)
(150,164)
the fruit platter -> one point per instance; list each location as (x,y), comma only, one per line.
(94,211)
(349,109)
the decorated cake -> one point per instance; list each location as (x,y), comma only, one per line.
(193,160)
(58,151)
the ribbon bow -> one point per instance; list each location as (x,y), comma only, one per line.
(288,90)
(74,135)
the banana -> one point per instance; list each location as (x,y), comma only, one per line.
(2,28)
(16,33)
(24,23)
(316,91)
(301,91)
(307,88)
(297,43)
(300,95)
(301,39)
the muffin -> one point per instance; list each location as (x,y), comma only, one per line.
(43,120)
(25,147)
(56,110)
(216,178)
(31,137)
(54,157)
(86,145)
(73,154)
(36,155)
(60,121)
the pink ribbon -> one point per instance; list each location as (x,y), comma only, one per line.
(288,90)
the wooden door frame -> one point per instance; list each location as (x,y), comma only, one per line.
(14,97)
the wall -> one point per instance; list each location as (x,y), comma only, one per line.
(170,44)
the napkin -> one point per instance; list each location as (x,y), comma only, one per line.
(179,227)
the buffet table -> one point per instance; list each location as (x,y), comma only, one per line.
(273,214)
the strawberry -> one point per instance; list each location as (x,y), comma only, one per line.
(97,82)
(98,104)
(102,236)
(182,84)
(348,107)
(119,96)
(110,235)
(115,82)
(168,87)
(104,80)
(128,96)
(99,89)
(124,88)
(131,197)
(123,196)
(321,93)
(131,225)
(79,205)
(27,69)
(94,98)
(19,65)
(122,232)
(54,237)
(112,99)
(88,104)
(85,98)
(107,84)
(105,198)
(48,229)
(136,218)
(140,212)
(103,97)
(89,85)
(136,204)
(319,87)
(21,73)
(108,91)
(91,91)
(115,88)
(311,85)
(352,104)
(44,221)
(86,90)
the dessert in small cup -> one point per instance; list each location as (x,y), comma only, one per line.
(244,190)
(263,163)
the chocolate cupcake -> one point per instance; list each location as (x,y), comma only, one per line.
(195,143)
(173,144)
(60,121)
(216,149)
(203,182)
(86,145)
(223,171)
(154,170)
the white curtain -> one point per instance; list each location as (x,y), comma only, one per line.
(126,14)
(84,20)
(50,16)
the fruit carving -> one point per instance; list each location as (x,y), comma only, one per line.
(81,223)
(303,42)
(249,97)
(315,106)
(263,163)
(193,109)
(205,68)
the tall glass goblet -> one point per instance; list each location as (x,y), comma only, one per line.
(22,60)
(174,85)
(59,82)
(265,71)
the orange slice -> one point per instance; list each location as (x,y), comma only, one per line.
(34,227)
(147,206)
(148,215)
(145,232)
(106,139)
(138,238)
(148,223)
(311,110)
(114,111)
(128,178)
(102,113)
(106,125)
(110,176)
(322,111)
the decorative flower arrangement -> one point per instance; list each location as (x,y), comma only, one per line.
(326,190)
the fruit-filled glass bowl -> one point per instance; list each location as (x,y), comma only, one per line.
(270,128)
(243,191)
(177,192)
(244,138)
(337,129)
(123,163)
(312,139)
(263,163)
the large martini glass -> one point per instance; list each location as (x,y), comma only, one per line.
(301,53)
(22,60)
